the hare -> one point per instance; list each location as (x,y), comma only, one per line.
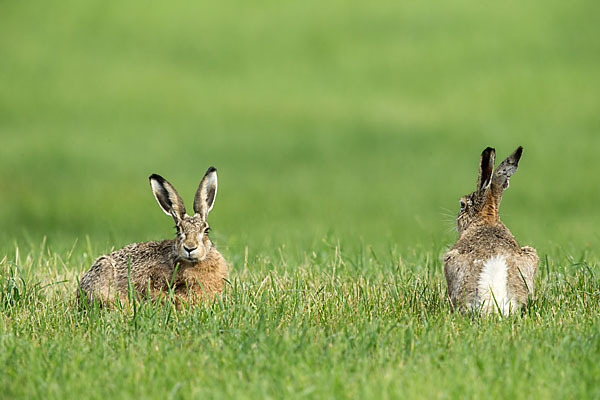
(189,265)
(486,269)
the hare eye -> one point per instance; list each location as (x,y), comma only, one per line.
(462,204)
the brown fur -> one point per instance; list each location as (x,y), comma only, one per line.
(188,267)
(483,236)
(151,269)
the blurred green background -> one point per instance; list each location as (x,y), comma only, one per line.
(353,121)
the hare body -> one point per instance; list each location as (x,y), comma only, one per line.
(152,269)
(188,266)
(487,269)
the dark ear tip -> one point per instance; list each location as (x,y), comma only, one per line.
(157,177)
(211,169)
(519,151)
(488,150)
(516,155)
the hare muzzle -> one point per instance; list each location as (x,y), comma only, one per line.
(193,252)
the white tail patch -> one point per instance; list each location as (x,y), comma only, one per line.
(492,288)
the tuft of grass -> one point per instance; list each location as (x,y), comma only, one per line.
(13,287)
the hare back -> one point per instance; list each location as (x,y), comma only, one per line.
(488,270)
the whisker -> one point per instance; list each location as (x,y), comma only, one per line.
(448,220)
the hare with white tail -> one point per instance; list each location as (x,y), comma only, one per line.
(486,269)
(188,266)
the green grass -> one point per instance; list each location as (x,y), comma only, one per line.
(336,325)
(344,134)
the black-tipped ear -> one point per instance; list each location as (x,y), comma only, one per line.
(167,197)
(505,170)
(206,193)
(486,168)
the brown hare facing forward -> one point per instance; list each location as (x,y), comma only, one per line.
(189,265)
(486,269)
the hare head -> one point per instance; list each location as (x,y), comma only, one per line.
(482,205)
(192,243)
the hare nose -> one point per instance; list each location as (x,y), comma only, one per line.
(189,250)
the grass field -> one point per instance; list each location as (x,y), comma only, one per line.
(344,134)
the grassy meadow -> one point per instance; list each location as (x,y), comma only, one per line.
(344,133)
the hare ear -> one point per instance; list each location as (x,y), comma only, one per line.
(206,193)
(505,170)
(486,167)
(167,197)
